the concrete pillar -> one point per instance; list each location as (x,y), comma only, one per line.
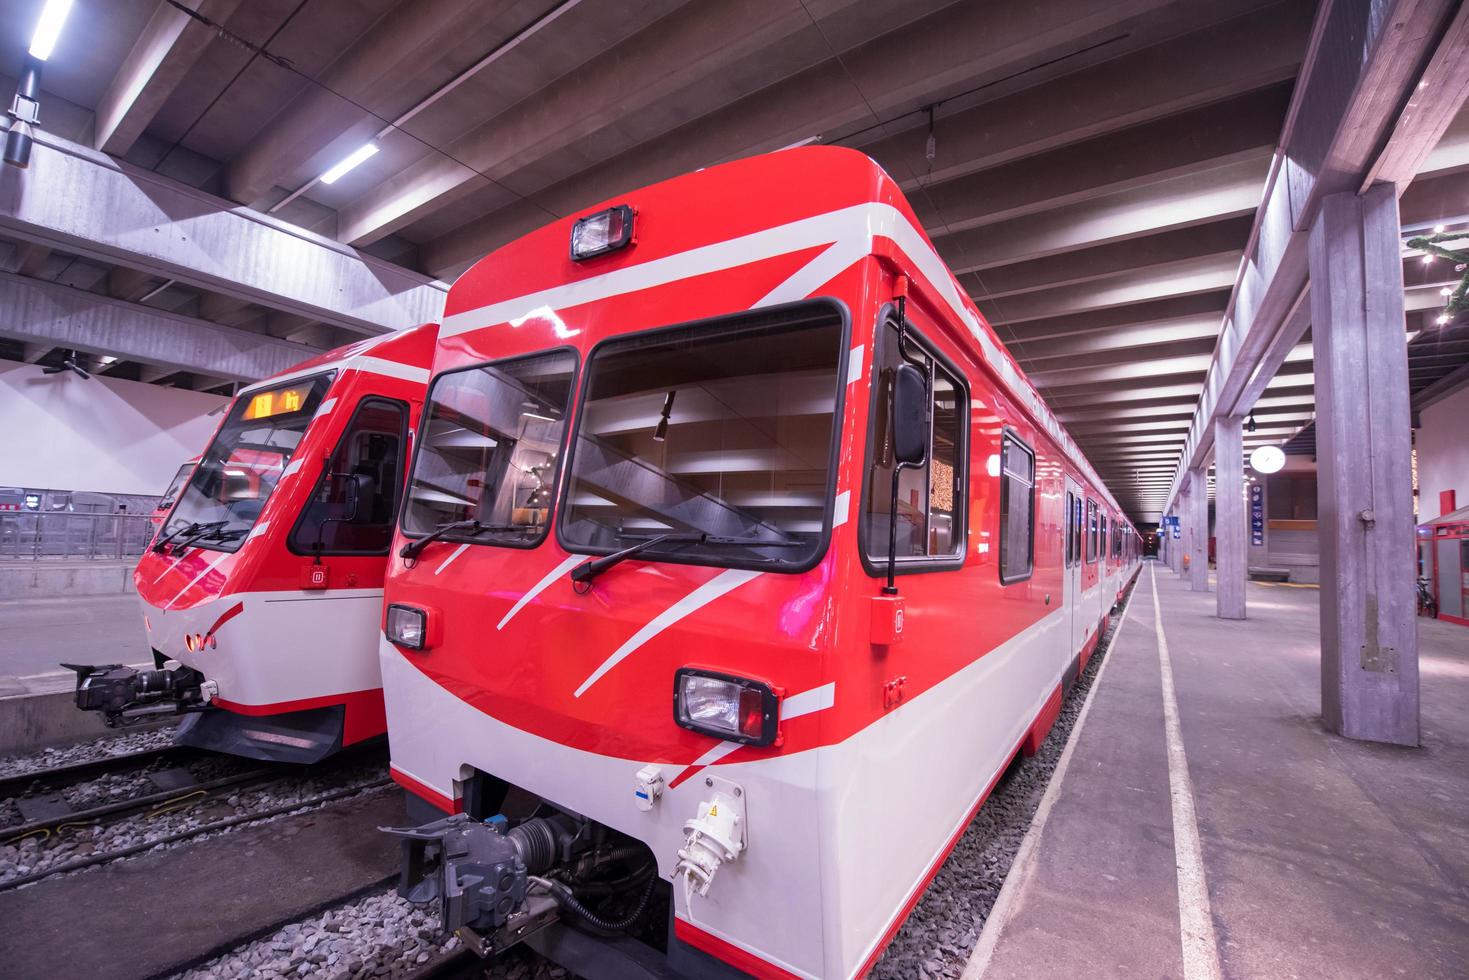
(1369,638)
(1231,527)
(1198,532)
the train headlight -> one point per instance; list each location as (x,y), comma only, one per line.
(406,626)
(736,709)
(603,232)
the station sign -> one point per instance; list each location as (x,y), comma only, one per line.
(1257,514)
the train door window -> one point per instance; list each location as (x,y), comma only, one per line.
(1077,529)
(352,509)
(1091,531)
(1017,509)
(1102,537)
(1071,529)
(930,497)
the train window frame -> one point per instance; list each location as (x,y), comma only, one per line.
(876,565)
(812,306)
(1008,435)
(422,430)
(294,546)
(1090,528)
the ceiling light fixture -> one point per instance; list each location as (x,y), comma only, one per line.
(48,28)
(358,156)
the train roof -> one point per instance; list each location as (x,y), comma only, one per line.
(391,353)
(829,205)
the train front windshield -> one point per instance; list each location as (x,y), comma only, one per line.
(242,465)
(174,486)
(721,436)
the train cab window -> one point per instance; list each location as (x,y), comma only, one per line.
(351,511)
(488,452)
(930,527)
(711,443)
(238,472)
(1091,531)
(1017,509)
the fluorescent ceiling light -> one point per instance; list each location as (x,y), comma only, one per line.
(48,28)
(340,170)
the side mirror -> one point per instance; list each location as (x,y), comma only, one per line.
(910,415)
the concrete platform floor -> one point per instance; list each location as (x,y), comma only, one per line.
(37,634)
(1272,849)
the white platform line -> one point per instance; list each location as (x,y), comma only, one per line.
(1195,922)
(1006,902)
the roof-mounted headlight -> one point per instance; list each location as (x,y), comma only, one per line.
(600,233)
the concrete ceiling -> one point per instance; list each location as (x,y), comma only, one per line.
(1094,174)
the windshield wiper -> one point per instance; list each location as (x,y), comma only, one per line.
(186,530)
(229,534)
(590,569)
(412,548)
(593,567)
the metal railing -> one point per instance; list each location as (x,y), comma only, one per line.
(32,536)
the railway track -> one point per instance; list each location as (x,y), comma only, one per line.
(172,780)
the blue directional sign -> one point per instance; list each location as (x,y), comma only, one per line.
(1257,514)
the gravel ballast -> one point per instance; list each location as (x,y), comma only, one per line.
(89,751)
(380,936)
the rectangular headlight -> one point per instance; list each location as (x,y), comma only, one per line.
(603,232)
(406,626)
(736,709)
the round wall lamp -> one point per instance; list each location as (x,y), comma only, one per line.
(1267,459)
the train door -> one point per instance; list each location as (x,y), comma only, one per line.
(1076,628)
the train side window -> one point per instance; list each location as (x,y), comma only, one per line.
(1091,531)
(931,497)
(1102,537)
(1017,509)
(352,509)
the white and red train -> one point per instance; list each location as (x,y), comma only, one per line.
(738,561)
(262,591)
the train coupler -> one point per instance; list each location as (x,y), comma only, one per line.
(127,696)
(479,878)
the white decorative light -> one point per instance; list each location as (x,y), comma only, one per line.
(1267,459)
(48,28)
(340,170)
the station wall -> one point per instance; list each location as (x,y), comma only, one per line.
(1443,453)
(62,432)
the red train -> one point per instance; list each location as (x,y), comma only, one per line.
(737,562)
(262,592)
